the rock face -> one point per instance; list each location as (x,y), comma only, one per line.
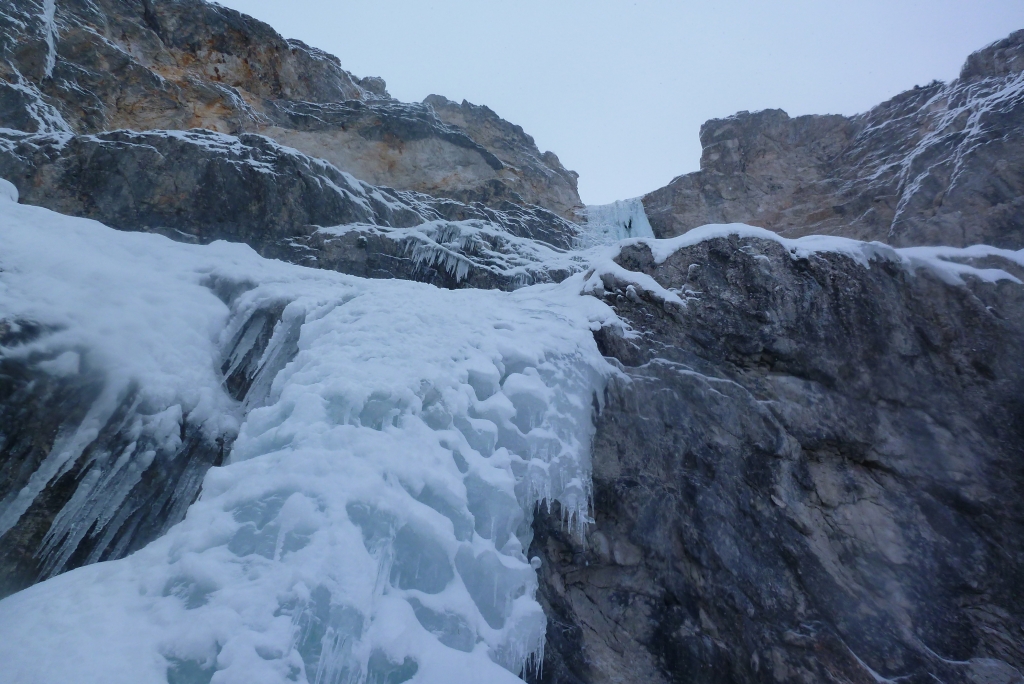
(539,174)
(88,67)
(940,164)
(810,473)
(200,186)
(143,65)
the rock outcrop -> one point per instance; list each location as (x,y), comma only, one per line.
(200,186)
(539,175)
(87,67)
(809,473)
(940,164)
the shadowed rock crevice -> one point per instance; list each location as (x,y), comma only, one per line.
(79,485)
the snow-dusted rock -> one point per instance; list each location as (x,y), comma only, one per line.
(89,67)
(941,164)
(202,186)
(810,471)
(368,524)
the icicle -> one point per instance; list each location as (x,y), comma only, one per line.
(50,30)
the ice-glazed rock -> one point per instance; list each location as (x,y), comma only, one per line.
(200,186)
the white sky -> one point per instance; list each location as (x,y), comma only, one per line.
(619,89)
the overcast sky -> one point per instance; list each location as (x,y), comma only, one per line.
(619,89)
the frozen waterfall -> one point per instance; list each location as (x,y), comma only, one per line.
(372,519)
(606,224)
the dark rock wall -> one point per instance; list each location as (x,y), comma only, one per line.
(196,186)
(942,164)
(814,472)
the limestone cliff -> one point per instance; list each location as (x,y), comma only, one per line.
(200,186)
(809,473)
(87,67)
(940,164)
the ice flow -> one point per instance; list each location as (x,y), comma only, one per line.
(371,522)
(606,224)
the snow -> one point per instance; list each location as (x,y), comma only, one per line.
(50,27)
(373,517)
(861,252)
(946,263)
(112,305)
(8,191)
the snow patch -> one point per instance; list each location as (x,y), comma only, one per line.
(946,263)
(7,191)
(50,30)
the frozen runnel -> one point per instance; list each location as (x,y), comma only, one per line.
(372,520)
